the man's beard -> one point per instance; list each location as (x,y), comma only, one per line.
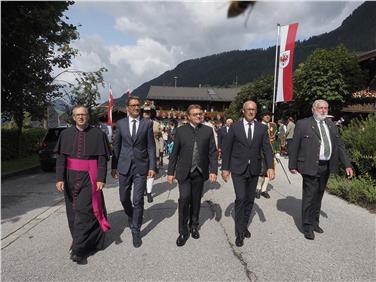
(319,116)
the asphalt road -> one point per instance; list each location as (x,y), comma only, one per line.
(35,238)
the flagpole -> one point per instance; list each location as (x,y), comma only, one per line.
(109,112)
(275,72)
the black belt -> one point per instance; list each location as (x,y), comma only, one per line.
(323,162)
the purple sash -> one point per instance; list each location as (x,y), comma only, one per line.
(91,166)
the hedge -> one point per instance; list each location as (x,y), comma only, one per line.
(360,190)
(30,142)
(360,140)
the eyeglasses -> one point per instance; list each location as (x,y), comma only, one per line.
(134,106)
(250,110)
(196,114)
(80,115)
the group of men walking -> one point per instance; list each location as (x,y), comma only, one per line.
(83,153)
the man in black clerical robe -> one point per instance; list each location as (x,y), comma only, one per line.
(81,167)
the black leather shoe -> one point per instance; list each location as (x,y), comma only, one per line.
(137,242)
(309,235)
(181,240)
(239,241)
(257,194)
(265,195)
(247,234)
(195,233)
(150,198)
(318,229)
(78,259)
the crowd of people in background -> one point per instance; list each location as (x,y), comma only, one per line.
(281,133)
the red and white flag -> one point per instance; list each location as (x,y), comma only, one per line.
(110,106)
(129,93)
(286,55)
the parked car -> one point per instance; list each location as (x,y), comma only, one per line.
(47,157)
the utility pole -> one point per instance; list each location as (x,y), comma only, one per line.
(176,80)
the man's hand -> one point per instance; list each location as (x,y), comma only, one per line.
(349,172)
(212,177)
(170,179)
(225,175)
(100,185)
(60,186)
(294,171)
(151,173)
(114,173)
(270,173)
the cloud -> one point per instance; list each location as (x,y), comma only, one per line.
(166,33)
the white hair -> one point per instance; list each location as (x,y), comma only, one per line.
(318,102)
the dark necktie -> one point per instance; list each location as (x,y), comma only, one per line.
(195,155)
(134,129)
(249,132)
(325,139)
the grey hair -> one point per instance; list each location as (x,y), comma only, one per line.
(248,101)
(78,107)
(317,102)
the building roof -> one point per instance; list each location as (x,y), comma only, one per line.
(192,93)
(363,56)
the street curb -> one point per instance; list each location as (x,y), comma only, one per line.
(20,172)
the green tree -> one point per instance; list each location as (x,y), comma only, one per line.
(34,39)
(86,90)
(332,75)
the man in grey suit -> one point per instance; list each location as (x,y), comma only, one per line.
(314,153)
(133,161)
(241,154)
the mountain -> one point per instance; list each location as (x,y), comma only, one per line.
(357,32)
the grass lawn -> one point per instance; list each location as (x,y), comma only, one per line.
(19,164)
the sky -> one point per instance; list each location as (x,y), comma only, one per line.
(138,41)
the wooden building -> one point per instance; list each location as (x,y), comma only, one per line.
(172,102)
(364,101)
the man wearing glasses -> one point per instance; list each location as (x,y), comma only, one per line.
(133,161)
(81,168)
(241,155)
(192,162)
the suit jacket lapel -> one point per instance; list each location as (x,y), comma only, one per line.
(256,127)
(315,127)
(331,133)
(242,131)
(127,129)
(140,127)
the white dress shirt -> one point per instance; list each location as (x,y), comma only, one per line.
(246,125)
(130,121)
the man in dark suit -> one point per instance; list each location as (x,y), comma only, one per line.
(241,155)
(222,132)
(314,153)
(192,162)
(132,162)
